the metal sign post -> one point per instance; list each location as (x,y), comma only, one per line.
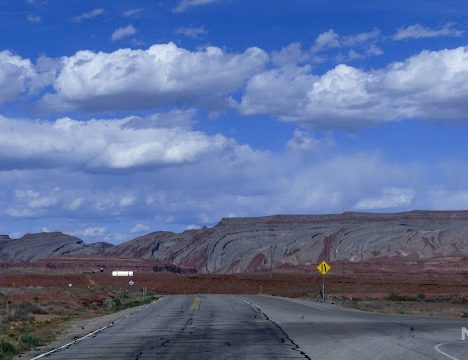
(323,268)
(130,283)
(323,288)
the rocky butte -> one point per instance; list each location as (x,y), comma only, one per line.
(417,241)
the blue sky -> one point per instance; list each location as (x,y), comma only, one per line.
(120,118)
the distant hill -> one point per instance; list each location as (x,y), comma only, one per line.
(250,244)
(32,247)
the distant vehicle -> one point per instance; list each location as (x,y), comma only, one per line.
(122,273)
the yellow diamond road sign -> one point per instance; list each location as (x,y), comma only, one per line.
(323,267)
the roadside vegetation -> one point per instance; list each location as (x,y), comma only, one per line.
(27,325)
(420,304)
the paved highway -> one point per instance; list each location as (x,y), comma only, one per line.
(260,327)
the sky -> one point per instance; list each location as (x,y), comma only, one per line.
(118,118)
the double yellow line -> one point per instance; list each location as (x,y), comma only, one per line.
(196,303)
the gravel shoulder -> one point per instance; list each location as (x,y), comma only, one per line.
(77,329)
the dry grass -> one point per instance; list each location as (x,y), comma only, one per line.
(28,325)
(447,306)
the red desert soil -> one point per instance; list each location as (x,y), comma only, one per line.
(19,287)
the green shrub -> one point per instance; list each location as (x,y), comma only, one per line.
(112,304)
(421,296)
(7,350)
(127,301)
(132,303)
(30,341)
(397,297)
(394,297)
(465,314)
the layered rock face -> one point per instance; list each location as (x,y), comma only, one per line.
(32,247)
(281,241)
(246,244)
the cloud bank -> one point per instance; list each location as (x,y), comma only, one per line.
(431,85)
(107,145)
(162,75)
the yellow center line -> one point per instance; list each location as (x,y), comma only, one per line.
(196,303)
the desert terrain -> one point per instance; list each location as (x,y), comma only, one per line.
(409,263)
(38,306)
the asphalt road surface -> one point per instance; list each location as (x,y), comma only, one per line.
(260,327)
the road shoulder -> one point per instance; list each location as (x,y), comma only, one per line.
(78,329)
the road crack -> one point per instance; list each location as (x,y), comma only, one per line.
(295,347)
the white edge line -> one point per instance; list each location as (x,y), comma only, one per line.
(92,333)
(253,305)
(249,303)
(437,348)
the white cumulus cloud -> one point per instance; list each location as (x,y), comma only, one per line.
(349,47)
(105,145)
(123,32)
(431,85)
(161,75)
(389,198)
(16,74)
